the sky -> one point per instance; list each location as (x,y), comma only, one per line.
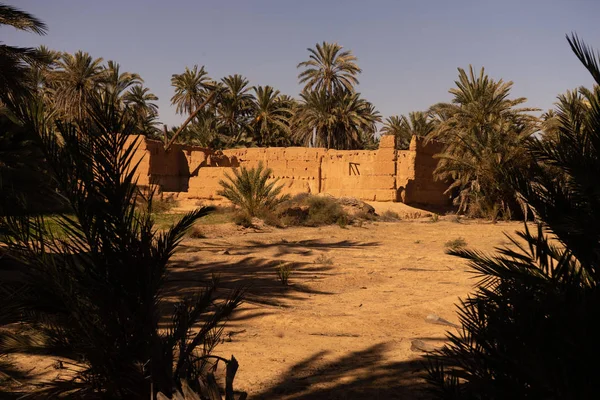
(409,51)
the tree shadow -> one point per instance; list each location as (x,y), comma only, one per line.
(258,276)
(283,247)
(361,374)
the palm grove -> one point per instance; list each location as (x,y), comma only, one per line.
(103,285)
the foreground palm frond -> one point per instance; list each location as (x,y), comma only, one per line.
(15,61)
(98,293)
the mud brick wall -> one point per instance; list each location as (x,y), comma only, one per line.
(385,174)
(420,186)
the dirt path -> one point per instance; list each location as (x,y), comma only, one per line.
(357,298)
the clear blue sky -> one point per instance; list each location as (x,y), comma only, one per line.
(408,50)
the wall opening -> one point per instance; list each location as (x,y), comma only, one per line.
(353,169)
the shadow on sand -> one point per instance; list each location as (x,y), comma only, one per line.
(258,275)
(361,374)
(280,248)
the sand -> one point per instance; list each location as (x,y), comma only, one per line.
(356,299)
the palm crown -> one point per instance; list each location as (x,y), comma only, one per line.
(329,68)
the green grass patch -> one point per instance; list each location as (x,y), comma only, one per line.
(161,220)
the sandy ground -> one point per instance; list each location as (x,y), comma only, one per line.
(357,298)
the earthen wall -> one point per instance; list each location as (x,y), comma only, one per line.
(385,174)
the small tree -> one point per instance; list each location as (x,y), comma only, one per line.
(251,190)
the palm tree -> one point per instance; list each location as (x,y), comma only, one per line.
(404,128)
(98,296)
(483,132)
(251,190)
(15,61)
(234,107)
(191,89)
(77,82)
(270,117)
(205,131)
(527,328)
(329,68)
(41,75)
(118,83)
(138,100)
(335,122)
(572,106)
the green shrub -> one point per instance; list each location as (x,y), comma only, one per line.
(283,273)
(251,190)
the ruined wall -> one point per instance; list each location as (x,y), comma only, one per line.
(420,186)
(383,175)
(365,174)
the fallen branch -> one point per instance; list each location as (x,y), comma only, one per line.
(188,120)
(335,334)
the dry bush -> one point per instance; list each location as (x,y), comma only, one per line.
(197,233)
(390,216)
(325,211)
(309,210)
(243,219)
(365,216)
(323,259)
(455,244)
(271,218)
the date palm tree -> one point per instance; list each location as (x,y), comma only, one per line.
(41,75)
(252,190)
(335,122)
(190,89)
(526,330)
(15,61)
(117,82)
(270,117)
(417,123)
(572,105)
(329,68)
(234,107)
(139,101)
(484,132)
(77,81)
